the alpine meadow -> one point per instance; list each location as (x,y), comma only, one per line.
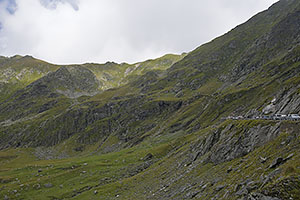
(219,122)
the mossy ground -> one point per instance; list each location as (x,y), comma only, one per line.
(20,172)
(125,174)
(171,107)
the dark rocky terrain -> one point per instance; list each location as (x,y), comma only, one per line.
(159,129)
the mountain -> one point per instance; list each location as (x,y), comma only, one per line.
(18,71)
(190,126)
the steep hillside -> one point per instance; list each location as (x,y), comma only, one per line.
(17,72)
(160,129)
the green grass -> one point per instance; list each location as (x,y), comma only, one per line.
(172,107)
(19,171)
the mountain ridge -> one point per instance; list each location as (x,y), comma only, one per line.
(160,130)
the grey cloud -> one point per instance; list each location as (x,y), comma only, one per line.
(10,6)
(52,4)
(179,25)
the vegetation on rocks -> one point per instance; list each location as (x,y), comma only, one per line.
(158,129)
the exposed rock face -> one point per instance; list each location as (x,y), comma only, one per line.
(258,196)
(120,118)
(233,143)
(288,101)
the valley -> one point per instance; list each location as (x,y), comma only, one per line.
(164,128)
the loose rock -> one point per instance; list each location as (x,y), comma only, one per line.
(48,185)
(277,162)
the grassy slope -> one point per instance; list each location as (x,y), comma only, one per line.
(126,175)
(174,173)
(18,72)
(115,75)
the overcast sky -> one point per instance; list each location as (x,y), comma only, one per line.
(79,31)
